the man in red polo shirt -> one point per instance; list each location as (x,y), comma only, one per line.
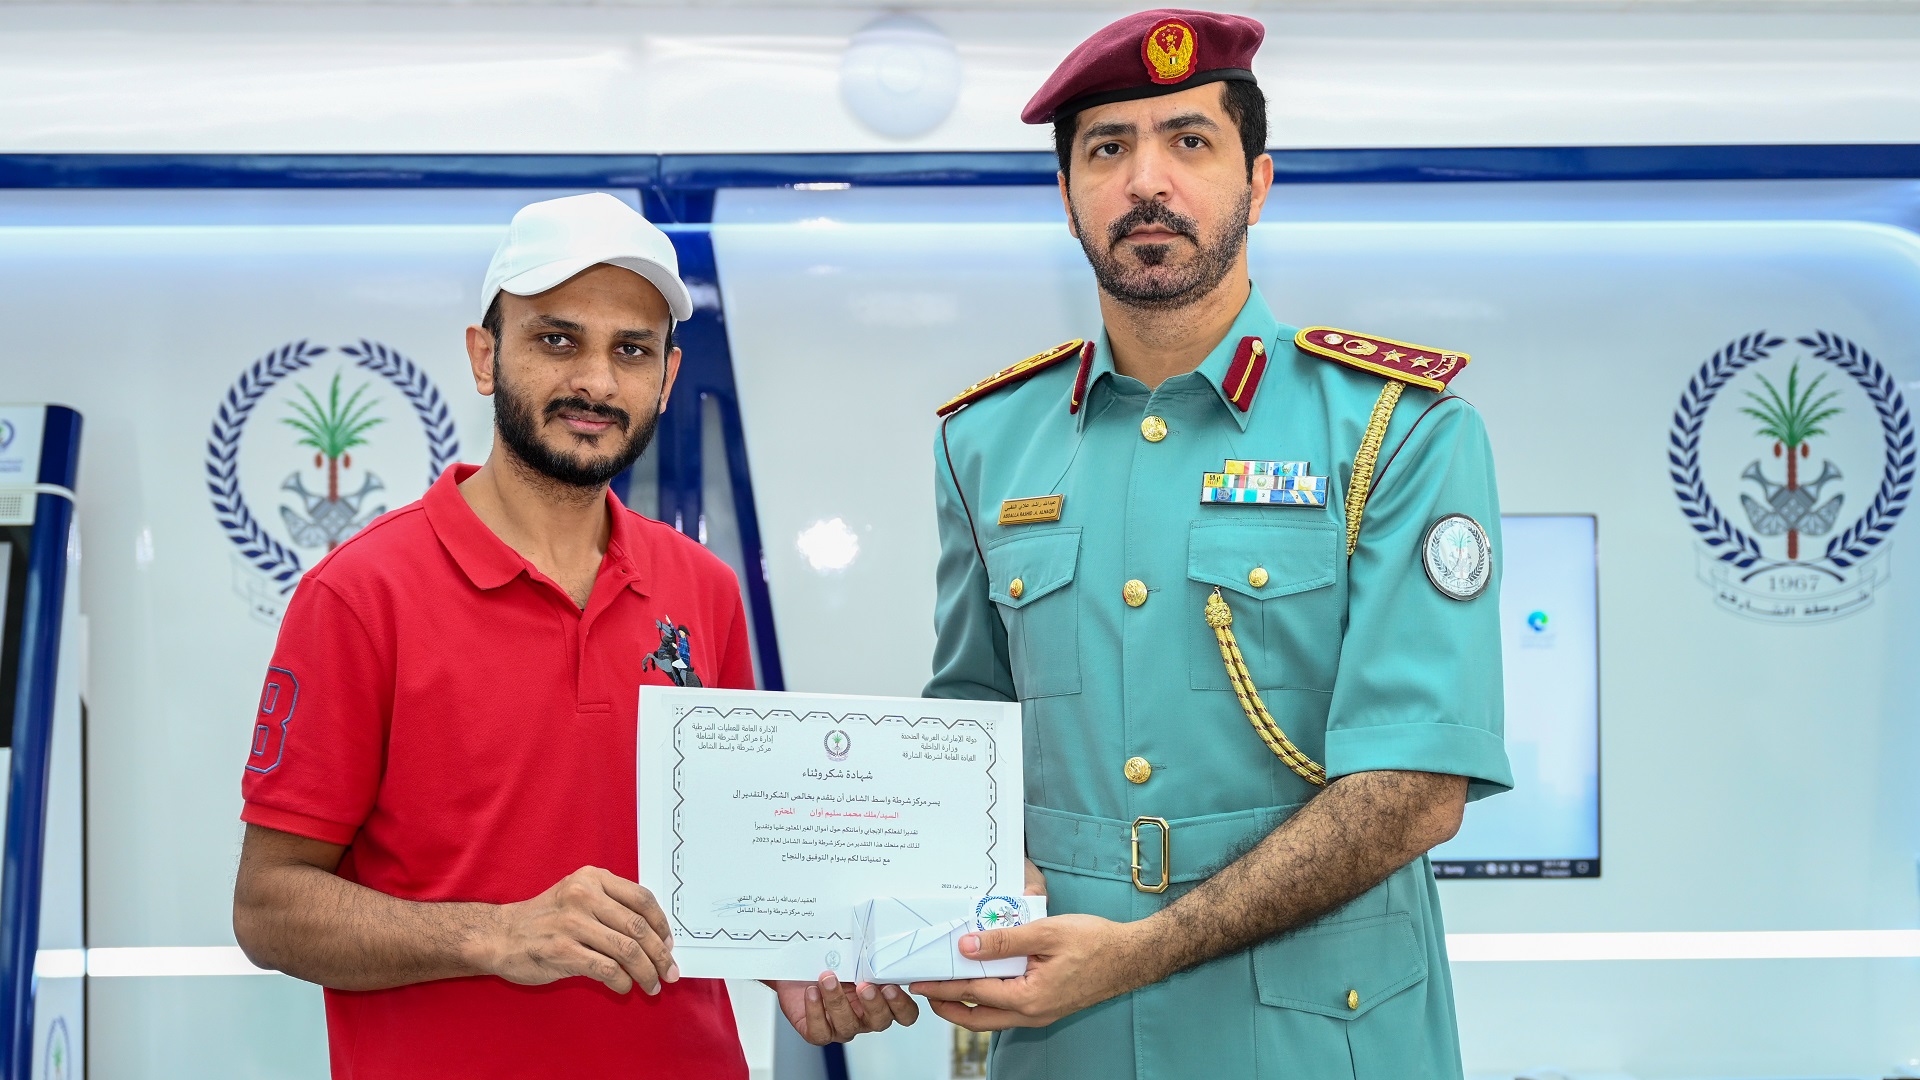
(440,793)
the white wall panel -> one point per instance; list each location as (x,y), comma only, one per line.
(459,78)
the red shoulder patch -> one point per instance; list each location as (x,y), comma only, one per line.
(1007,376)
(1410,363)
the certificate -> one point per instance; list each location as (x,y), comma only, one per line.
(767,818)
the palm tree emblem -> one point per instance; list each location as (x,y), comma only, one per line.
(332,428)
(1790,420)
(1461,553)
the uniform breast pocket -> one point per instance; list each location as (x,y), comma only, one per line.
(1280,577)
(1030,580)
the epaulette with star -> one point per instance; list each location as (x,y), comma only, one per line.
(1409,363)
(1008,376)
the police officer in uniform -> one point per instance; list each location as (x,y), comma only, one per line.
(1242,577)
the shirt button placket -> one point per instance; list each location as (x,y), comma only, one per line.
(1146,625)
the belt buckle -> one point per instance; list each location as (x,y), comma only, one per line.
(1166,854)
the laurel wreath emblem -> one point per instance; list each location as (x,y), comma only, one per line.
(442,444)
(278,562)
(1725,540)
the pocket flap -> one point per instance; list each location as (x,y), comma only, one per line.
(1296,554)
(1340,969)
(1040,561)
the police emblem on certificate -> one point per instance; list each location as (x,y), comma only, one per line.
(767,819)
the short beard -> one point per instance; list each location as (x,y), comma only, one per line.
(1172,288)
(513,418)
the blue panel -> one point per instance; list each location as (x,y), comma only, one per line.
(781,170)
(1839,162)
(709,374)
(678,184)
(33,742)
(326,170)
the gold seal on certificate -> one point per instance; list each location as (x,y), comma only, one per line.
(767,819)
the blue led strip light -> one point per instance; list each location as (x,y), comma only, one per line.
(683,183)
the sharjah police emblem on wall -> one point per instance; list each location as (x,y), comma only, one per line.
(311,443)
(1809,447)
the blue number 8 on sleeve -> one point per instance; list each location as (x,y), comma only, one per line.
(277,700)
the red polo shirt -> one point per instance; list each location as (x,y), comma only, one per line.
(449,714)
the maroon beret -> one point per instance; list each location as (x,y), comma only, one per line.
(1154,52)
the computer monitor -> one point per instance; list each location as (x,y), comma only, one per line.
(1548,826)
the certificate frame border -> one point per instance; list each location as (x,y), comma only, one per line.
(986,726)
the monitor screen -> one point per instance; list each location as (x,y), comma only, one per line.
(1548,826)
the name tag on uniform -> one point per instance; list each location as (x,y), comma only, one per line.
(1269,483)
(1028,511)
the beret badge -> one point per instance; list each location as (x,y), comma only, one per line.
(1168,51)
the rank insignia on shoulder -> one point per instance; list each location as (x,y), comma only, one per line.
(1014,373)
(1416,364)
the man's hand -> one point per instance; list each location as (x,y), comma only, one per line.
(1036,881)
(590,923)
(827,1012)
(1348,839)
(1074,961)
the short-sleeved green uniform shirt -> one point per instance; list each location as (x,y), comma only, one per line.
(1363,661)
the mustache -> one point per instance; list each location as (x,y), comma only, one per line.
(1152,213)
(581,405)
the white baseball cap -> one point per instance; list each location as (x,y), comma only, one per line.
(549,242)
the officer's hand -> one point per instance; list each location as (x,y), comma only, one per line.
(1074,961)
(828,1011)
(1036,881)
(591,923)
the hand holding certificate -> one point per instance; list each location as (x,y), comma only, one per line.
(766,819)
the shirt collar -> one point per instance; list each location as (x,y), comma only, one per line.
(1101,368)
(1255,320)
(489,563)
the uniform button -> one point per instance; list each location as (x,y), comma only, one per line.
(1153,428)
(1134,592)
(1258,578)
(1353,999)
(1016,587)
(1139,769)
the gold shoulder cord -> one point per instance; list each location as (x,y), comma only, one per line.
(1220,617)
(1368,456)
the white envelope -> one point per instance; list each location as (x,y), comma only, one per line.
(914,939)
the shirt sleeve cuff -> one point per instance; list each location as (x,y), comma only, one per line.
(1475,753)
(287,821)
